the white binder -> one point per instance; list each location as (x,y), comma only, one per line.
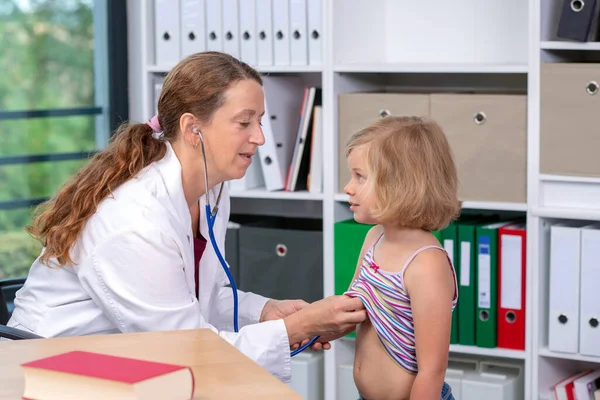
(281,29)
(298,33)
(193,27)
(167,32)
(283,104)
(158,85)
(248,32)
(264,35)
(252,180)
(231,28)
(315,179)
(314,32)
(589,305)
(563,315)
(214,25)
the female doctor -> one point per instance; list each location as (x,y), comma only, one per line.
(125,240)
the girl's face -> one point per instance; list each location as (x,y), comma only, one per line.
(234,133)
(361,200)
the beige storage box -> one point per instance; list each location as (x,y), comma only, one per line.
(570,119)
(488,136)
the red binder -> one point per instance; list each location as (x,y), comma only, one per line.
(511,286)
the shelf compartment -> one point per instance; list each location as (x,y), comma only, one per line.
(478,32)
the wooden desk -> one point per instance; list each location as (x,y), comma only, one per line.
(220,370)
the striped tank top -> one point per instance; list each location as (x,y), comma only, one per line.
(388,305)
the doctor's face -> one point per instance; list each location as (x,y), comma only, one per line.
(234,133)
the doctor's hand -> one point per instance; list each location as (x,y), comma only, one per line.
(330,318)
(278,309)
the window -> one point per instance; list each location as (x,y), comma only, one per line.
(55,105)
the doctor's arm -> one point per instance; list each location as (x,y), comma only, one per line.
(137,278)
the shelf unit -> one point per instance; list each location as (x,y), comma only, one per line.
(386,45)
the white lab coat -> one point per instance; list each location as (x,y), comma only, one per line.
(134,272)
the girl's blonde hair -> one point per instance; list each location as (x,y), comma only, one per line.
(411,172)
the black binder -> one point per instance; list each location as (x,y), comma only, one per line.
(576,20)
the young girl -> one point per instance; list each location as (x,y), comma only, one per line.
(404,181)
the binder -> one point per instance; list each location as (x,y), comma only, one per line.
(576,20)
(253,179)
(486,326)
(264,29)
(214,25)
(449,240)
(511,286)
(563,310)
(315,173)
(297,178)
(283,105)
(167,32)
(193,27)
(158,81)
(248,32)
(466,282)
(298,35)
(231,28)
(314,32)
(281,29)
(589,305)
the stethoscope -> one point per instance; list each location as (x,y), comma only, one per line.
(211,215)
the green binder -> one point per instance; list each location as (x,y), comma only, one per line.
(448,239)
(466,227)
(349,236)
(487,285)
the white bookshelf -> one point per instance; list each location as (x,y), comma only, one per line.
(466,45)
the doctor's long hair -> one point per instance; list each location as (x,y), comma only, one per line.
(197,85)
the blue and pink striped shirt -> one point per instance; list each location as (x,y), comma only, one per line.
(388,305)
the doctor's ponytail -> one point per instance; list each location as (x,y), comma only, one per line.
(61,219)
(197,85)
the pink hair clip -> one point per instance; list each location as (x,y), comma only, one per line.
(154,124)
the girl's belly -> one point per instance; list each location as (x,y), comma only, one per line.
(376,375)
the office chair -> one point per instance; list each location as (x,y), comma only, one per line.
(8,291)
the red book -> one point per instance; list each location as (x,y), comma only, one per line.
(84,375)
(512,269)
